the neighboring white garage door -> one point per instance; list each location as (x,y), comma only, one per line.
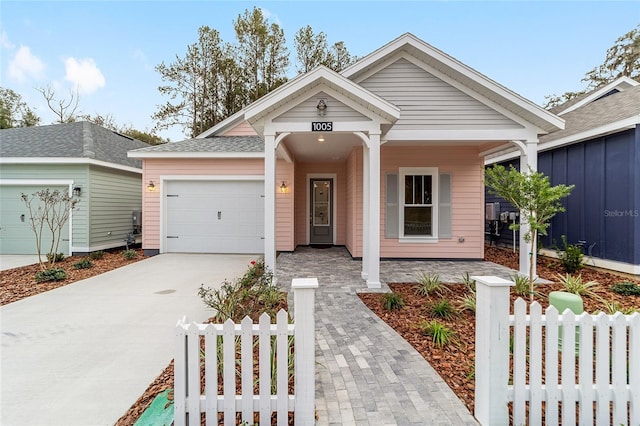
(214,217)
(16,236)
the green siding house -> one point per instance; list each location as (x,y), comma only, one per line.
(83,159)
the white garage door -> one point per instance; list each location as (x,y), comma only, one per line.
(214,217)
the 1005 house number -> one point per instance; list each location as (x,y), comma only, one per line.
(321,126)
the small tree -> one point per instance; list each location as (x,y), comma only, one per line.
(48,210)
(533,195)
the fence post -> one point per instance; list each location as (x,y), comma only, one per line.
(305,349)
(492,350)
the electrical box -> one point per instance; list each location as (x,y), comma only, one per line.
(492,211)
(513,215)
(136,218)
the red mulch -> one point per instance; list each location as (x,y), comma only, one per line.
(455,362)
(18,283)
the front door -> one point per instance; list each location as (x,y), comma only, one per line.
(321,226)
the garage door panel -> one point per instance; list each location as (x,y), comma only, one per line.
(215,217)
(16,235)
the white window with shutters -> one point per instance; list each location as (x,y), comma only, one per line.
(418,205)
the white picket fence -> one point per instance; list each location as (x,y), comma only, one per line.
(189,402)
(593,378)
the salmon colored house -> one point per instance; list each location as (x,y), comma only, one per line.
(385,158)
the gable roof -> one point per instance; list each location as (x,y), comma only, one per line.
(459,72)
(617,85)
(78,140)
(212,147)
(616,112)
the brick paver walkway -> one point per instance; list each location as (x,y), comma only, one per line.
(366,374)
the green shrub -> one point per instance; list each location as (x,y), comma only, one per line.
(626,289)
(429,284)
(392,301)
(129,254)
(96,255)
(442,309)
(611,307)
(439,333)
(53,258)
(468,282)
(522,285)
(570,256)
(53,274)
(85,263)
(574,284)
(468,302)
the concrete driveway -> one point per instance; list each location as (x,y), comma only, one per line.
(83,353)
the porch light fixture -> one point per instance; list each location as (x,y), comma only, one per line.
(283,188)
(321,107)
(321,138)
(77,191)
(151,187)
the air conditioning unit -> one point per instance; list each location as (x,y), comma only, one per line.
(492,211)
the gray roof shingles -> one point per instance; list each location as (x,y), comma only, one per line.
(80,139)
(222,144)
(610,109)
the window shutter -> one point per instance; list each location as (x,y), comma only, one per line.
(444,207)
(391,218)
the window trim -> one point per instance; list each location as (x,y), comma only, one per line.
(435,203)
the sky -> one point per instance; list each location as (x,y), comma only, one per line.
(109,49)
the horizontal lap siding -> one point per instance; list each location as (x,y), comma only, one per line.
(78,173)
(427,102)
(336,111)
(284,207)
(301,209)
(154,168)
(242,129)
(114,196)
(465,167)
(351,217)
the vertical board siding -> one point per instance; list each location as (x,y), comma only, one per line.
(114,195)
(467,214)
(155,168)
(428,102)
(301,208)
(78,173)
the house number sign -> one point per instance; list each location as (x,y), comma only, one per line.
(322,126)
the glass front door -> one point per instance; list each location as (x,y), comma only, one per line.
(321,221)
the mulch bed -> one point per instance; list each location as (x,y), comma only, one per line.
(455,362)
(18,283)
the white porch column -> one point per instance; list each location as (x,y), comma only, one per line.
(373,278)
(270,202)
(365,211)
(528,160)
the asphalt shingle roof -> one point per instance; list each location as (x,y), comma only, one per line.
(213,144)
(71,140)
(606,110)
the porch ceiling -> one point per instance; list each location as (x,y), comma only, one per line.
(305,147)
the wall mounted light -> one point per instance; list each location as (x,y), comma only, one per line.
(151,187)
(321,107)
(321,138)
(284,188)
(77,191)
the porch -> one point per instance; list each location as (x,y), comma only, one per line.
(366,373)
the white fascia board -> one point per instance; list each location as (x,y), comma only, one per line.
(457,67)
(29,182)
(460,135)
(618,126)
(621,84)
(64,160)
(224,125)
(322,75)
(196,154)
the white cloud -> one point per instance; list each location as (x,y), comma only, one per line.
(84,74)
(25,65)
(5,42)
